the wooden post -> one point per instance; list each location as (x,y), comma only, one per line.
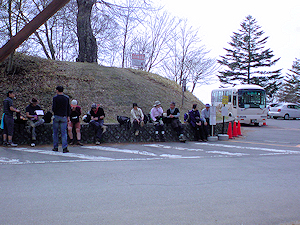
(30,28)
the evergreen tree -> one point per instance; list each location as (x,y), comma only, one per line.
(247,60)
(290,91)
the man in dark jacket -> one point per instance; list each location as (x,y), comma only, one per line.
(8,120)
(173,118)
(197,123)
(97,122)
(33,120)
(61,110)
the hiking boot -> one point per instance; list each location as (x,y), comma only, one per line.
(98,142)
(71,142)
(79,143)
(12,144)
(65,150)
(55,149)
(5,144)
(32,145)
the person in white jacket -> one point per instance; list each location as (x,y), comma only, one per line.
(137,118)
(156,116)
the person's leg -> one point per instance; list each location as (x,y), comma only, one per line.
(202,132)
(162,132)
(55,132)
(99,130)
(136,127)
(36,124)
(10,130)
(157,128)
(78,133)
(70,132)
(64,134)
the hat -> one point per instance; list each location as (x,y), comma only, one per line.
(157,103)
(33,100)
(74,102)
(207,105)
(172,103)
(94,106)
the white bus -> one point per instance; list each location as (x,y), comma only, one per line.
(246,103)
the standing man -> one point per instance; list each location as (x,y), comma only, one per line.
(61,110)
(156,114)
(8,120)
(173,117)
(33,119)
(97,122)
(205,114)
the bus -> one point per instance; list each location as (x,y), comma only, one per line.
(246,103)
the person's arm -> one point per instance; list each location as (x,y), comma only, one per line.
(142,114)
(133,115)
(152,114)
(203,113)
(102,114)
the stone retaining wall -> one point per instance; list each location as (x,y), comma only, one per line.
(115,134)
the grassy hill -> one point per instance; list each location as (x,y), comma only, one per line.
(115,89)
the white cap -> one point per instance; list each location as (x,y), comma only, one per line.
(74,102)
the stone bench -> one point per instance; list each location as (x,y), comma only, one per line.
(115,134)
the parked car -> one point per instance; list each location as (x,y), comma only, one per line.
(285,110)
(269,106)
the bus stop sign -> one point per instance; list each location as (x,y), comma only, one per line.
(225,100)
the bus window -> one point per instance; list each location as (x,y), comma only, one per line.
(234,101)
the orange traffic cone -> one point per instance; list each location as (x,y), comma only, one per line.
(264,123)
(234,131)
(239,132)
(229,131)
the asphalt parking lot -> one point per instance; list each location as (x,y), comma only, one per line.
(253,179)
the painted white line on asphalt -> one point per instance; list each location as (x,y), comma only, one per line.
(227,153)
(173,147)
(7,160)
(251,148)
(128,151)
(70,155)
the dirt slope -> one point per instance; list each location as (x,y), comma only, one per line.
(115,89)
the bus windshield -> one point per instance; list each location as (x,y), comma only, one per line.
(252,98)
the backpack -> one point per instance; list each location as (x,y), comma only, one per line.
(86,118)
(146,118)
(124,120)
(186,117)
(48,117)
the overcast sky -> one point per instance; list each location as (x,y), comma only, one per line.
(218,19)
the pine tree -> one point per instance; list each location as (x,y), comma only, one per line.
(290,91)
(247,60)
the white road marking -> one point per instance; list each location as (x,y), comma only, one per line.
(227,153)
(7,160)
(252,148)
(173,147)
(128,151)
(70,155)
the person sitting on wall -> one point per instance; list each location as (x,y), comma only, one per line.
(137,118)
(205,114)
(74,122)
(97,122)
(33,111)
(156,115)
(173,118)
(197,123)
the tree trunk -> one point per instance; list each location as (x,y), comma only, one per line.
(86,39)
